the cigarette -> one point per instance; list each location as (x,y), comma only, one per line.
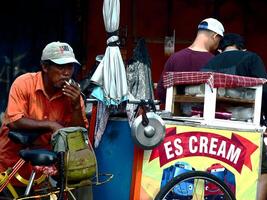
(72,82)
(67,82)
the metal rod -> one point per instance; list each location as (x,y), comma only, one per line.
(137,101)
(15,169)
(29,186)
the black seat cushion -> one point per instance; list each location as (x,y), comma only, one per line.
(25,138)
(38,157)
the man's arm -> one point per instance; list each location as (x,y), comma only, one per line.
(18,105)
(31,124)
(78,115)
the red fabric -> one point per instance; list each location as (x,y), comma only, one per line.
(47,170)
(215,80)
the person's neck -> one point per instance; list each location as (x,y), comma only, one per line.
(49,89)
(198,48)
(199,44)
(230,48)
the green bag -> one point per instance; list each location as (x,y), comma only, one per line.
(80,161)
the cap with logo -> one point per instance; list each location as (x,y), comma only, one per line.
(212,25)
(59,53)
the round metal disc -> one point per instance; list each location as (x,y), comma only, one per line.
(150,136)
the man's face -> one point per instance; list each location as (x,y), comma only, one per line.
(58,74)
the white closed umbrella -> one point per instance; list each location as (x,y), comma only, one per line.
(110,75)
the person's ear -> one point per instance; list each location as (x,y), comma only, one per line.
(44,68)
(216,35)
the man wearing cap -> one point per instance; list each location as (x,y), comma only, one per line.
(235,59)
(42,102)
(192,58)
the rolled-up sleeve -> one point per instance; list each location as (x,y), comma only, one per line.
(17,103)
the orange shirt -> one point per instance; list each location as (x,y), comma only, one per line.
(27,98)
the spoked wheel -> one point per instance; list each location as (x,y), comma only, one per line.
(197,185)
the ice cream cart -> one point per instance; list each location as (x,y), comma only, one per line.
(214,127)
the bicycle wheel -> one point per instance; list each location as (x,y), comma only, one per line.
(197,185)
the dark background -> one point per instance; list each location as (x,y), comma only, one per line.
(26,26)
(155,19)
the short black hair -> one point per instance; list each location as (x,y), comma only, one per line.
(231,39)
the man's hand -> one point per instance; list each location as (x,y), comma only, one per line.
(54,126)
(73,91)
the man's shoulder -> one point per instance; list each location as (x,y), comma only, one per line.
(27,80)
(28,76)
(233,55)
(239,52)
(181,51)
(178,55)
(189,52)
(246,56)
(251,53)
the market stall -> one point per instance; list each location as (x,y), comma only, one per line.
(214,126)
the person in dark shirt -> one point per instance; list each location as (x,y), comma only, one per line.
(192,58)
(235,59)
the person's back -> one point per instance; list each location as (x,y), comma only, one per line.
(184,60)
(196,55)
(243,63)
(234,59)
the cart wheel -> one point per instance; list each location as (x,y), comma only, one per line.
(195,185)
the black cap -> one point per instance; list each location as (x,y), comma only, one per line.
(231,39)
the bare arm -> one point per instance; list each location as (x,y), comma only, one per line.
(31,124)
(77,116)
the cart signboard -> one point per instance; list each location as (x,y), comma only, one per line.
(235,153)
